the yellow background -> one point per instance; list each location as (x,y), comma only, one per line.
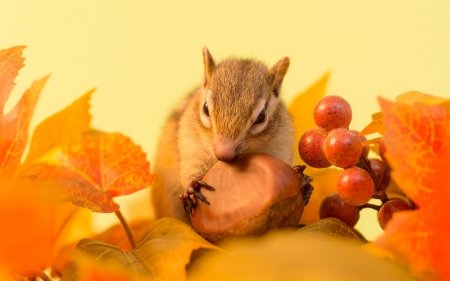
(143,56)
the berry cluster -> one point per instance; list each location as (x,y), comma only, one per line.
(332,143)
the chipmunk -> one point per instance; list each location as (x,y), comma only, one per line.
(236,110)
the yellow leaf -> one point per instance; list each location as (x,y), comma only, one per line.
(302,107)
(288,256)
(375,126)
(162,254)
(333,229)
(64,126)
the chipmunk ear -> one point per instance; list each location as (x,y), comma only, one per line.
(209,64)
(277,72)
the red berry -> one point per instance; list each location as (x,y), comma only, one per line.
(310,148)
(333,207)
(365,149)
(378,168)
(332,112)
(342,148)
(389,208)
(355,186)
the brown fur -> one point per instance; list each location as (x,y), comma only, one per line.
(186,149)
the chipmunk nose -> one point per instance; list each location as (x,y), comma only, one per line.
(225,149)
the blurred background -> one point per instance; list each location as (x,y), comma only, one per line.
(144,56)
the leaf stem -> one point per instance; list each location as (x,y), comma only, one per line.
(126,228)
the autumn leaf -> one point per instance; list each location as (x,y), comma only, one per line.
(93,257)
(14,125)
(418,149)
(114,236)
(34,227)
(43,226)
(94,170)
(70,224)
(290,256)
(5,276)
(64,126)
(163,253)
(11,61)
(302,107)
(378,126)
(332,229)
(26,221)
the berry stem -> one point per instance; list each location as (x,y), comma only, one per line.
(386,172)
(126,228)
(368,205)
(379,192)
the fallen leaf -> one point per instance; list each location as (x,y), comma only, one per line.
(64,126)
(114,236)
(94,170)
(14,125)
(162,254)
(288,256)
(332,229)
(94,258)
(418,149)
(107,271)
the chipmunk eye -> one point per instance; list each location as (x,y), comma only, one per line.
(261,118)
(205,109)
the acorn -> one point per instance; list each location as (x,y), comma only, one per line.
(253,194)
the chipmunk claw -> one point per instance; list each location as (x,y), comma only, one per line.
(188,195)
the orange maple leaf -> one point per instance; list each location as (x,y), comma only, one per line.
(94,170)
(377,124)
(418,141)
(14,125)
(33,226)
(26,221)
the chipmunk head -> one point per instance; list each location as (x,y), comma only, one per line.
(239,98)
